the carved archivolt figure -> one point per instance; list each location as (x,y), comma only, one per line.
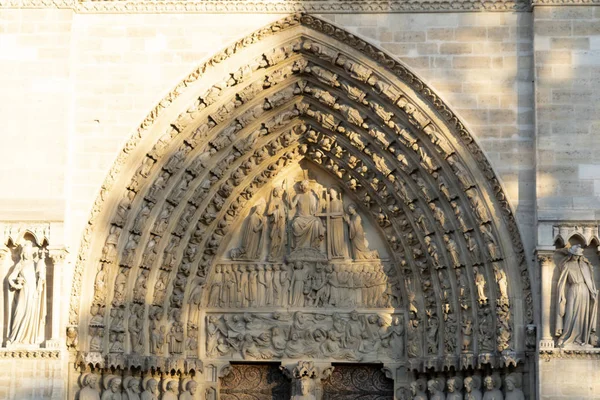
(308,229)
(576,302)
(358,238)
(480,283)
(251,234)
(28,281)
(278,216)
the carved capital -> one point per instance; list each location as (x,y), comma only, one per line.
(58,255)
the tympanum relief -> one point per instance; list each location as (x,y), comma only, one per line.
(304,247)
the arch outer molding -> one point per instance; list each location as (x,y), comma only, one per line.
(302,90)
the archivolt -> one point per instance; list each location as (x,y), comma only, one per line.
(317,93)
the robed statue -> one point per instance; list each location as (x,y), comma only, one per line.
(28,281)
(250,248)
(307,229)
(576,299)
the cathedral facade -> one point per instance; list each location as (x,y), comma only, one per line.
(303,200)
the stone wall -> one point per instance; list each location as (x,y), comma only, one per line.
(567,67)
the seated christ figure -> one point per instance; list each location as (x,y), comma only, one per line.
(308,229)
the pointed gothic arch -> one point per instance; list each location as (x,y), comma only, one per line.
(302,89)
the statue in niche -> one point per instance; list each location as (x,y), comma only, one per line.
(89,390)
(454,385)
(308,229)
(278,216)
(577,299)
(513,384)
(336,227)
(492,388)
(28,281)
(472,388)
(109,251)
(120,283)
(358,238)
(284,279)
(251,234)
(467,333)
(151,392)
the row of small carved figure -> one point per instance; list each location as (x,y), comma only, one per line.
(303,284)
(115,387)
(468,388)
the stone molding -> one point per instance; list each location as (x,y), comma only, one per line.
(537,3)
(276,7)
(591,354)
(39,353)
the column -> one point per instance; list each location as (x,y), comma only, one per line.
(57,255)
(546,262)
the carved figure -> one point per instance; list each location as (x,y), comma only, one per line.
(492,388)
(109,251)
(250,248)
(299,276)
(278,216)
(151,392)
(190,392)
(113,389)
(454,385)
(305,390)
(502,281)
(132,388)
(472,388)
(308,229)
(417,389)
(512,383)
(480,283)
(358,238)
(89,390)
(576,299)
(336,227)
(28,281)
(435,387)
(171,392)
